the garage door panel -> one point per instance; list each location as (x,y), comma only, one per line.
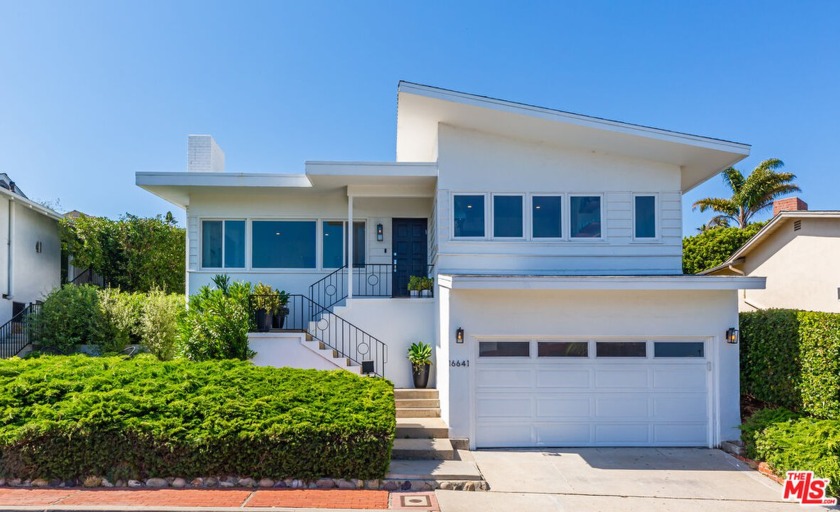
(622,378)
(505,435)
(511,406)
(619,434)
(504,378)
(671,434)
(622,406)
(682,407)
(559,408)
(563,376)
(688,377)
(563,434)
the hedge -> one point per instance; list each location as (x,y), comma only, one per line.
(791,359)
(70,417)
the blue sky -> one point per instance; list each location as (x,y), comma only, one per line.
(91,92)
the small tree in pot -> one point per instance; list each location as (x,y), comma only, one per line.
(266,304)
(414,285)
(279,317)
(420,357)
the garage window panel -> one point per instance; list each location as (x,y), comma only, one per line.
(678,349)
(621,349)
(562,349)
(504,349)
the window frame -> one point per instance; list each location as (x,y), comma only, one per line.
(246,248)
(564,229)
(492,230)
(487,232)
(318,233)
(602,214)
(657,217)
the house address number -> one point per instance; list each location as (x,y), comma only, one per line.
(459,363)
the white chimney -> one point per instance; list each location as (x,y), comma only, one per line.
(204,155)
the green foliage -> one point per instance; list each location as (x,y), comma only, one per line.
(420,354)
(791,359)
(159,323)
(70,316)
(122,313)
(217,323)
(803,444)
(70,417)
(755,425)
(713,246)
(133,253)
(420,283)
(266,298)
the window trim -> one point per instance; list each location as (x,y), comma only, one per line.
(564,230)
(246,251)
(487,231)
(568,221)
(657,218)
(492,231)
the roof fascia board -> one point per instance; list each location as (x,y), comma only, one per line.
(221,179)
(325,168)
(654,283)
(43,210)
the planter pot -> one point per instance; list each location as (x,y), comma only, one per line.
(425,293)
(414,293)
(279,318)
(421,375)
(263,320)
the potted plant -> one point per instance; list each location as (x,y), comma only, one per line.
(279,317)
(420,357)
(414,283)
(426,284)
(266,303)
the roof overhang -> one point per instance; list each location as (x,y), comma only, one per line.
(176,187)
(547,282)
(422,108)
(32,205)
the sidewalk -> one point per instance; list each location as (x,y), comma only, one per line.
(206,500)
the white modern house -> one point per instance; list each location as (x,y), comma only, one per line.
(30,250)
(559,316)
(797,252)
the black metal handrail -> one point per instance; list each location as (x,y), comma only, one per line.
(330,289)
(350,341)
(369,280)
(89,277)
(16,334)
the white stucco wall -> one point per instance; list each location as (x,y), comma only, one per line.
(522,314)
(474,162)
(801,268)
(285,349)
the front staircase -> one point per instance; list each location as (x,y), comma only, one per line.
(421,434)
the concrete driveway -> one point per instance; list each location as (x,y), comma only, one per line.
(626,479)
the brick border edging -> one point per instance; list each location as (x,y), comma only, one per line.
(761,467)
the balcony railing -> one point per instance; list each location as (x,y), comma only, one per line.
(371,280)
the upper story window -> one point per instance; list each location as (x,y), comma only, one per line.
(546,216)
(645,216)
(469,215)
(223,244)
(585,216)
(283,244)
(507,216)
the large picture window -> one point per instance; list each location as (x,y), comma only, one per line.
(507,216)
(645,215)
(223,243)
(585,216)
(469,215)
(546,216)
(283,244)
(333,244)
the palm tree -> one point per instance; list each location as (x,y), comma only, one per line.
(750,195)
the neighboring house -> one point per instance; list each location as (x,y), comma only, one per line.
(560,314)
(30,250)
(798,252)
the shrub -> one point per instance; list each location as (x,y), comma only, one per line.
(755,425)
(159,323)
(217,323)
(70,417)
(714,246)
(70,316)
(791,359)
(122,313)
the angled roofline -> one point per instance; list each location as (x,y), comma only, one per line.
(767,230)
(535,110)
(43,210)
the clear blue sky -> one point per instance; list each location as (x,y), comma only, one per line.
(91,92)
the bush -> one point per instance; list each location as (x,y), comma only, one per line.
(714,246)
(755,425)
(70,316)
(159,323)
(217,323)
(122,313)
(70,417)
(791,359)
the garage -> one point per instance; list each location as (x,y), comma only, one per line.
(592,392)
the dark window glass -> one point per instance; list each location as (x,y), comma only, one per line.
(507,216)
(283,244)
(234,243)
(504,349)
(621,349)
(546,215)
(562,349)
(333,244)
(645,217)
(469,215)
(211,244)
(585,216)
(678,349)
(358,244)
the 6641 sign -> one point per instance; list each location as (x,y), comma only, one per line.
(807,489)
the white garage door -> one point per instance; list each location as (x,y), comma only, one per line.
(592,393)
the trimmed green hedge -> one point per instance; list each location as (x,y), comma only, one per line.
(791,359)
(70,417)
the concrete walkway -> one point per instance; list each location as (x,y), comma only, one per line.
(625,479)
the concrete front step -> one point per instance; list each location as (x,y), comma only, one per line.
(406,394)
(425,449)
(418,413)
(421,428)
(417,403)
(440,470)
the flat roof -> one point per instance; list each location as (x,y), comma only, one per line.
(555,282)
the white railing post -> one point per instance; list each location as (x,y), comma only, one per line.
(349,235)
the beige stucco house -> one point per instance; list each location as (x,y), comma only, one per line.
(798,252)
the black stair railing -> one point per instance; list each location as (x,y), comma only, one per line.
(16,334)
(330,289)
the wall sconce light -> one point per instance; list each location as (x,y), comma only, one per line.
(732,335)
(379,233)
(459,335)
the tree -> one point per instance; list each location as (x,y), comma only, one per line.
(750,195)
(714,246)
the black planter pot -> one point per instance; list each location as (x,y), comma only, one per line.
(279,318)
(263,320)
(421,375)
